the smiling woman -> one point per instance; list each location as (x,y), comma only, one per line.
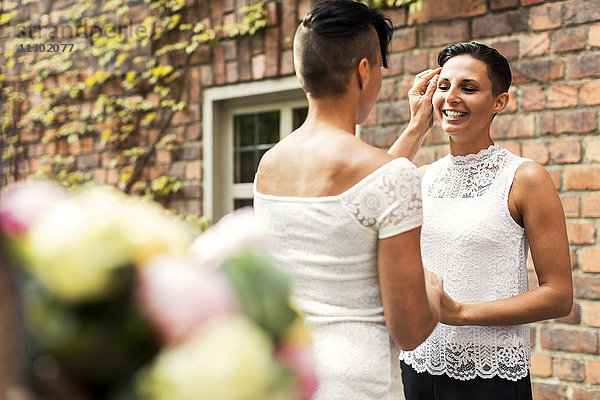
(479,220)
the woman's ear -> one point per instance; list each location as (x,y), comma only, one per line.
(501,102)
(364,73)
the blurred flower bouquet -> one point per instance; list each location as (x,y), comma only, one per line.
(121,303)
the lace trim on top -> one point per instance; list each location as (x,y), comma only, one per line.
(468,176)
(391,201)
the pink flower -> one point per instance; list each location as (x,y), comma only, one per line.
(179,297)
(23,202)
(233,233)
(300,360)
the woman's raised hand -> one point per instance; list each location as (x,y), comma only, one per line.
(420,95)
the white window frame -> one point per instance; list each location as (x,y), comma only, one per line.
(219,106)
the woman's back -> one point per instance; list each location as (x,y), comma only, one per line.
(329,246)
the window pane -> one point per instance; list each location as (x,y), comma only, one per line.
(268,127)
(245,166)
(299,115)
(239,203)
(244,130)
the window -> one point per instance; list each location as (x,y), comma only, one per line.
(253,131)
(240,123)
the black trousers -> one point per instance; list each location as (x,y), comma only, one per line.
(424,386)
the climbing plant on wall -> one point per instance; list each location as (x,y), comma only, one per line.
(80,72)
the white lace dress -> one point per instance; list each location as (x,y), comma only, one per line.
(470,239)
(329,246)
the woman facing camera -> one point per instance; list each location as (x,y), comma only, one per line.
(483,208)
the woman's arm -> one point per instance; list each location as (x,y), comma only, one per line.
(421,115)
(534,204)
(410,295)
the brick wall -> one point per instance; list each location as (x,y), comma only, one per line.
(554,50)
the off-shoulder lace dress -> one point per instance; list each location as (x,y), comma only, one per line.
(470,239)
(329,246)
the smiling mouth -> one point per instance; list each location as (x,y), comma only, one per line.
(454,114)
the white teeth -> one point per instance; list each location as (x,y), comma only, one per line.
(454,114)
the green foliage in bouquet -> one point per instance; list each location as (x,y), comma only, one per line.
(263,291)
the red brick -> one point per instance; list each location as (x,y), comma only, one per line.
(548,391)
(591,205)
(304,7)
(393,113)
(590,259)
(535,45)
(541,365)
(581,232)
(594,35)
(593,372)
(258,66)
(557,176)
(592,149)
(443,33)
(448,9)
(537,151)
(569,39)
(397,15)
(287,62)
(206,72)
(219,65)
(570,370)
(388,90)
(231,72)
(591,314)
(530,2)
(574,317)
(509,49)
(499,24)
(404,39)
(561,96)
(502,4)
(580,393)
(513,126)
(533,99)
(193,170)
(512,103)
(513,147)
(546,16)
(590,93)
(581,12)
(536,71)
(585,65)
(395,65)
(571,204)
(586,287)
(289,23)
(569,339)
(566,151)
(568,122)
(404,86)
(582,177)
(415,63)
(272,51)
(380,136)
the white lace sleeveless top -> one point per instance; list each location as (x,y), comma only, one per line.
(329,247)
(470,239)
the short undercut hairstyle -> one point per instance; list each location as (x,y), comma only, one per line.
(498,68)
(332,39)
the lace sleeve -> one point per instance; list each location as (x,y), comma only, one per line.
(390,200)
